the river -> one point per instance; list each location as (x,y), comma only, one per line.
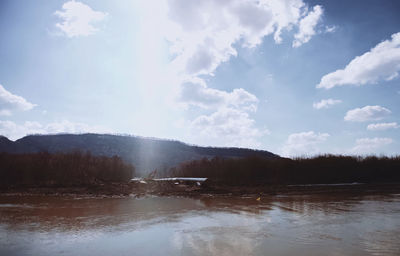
(328,224)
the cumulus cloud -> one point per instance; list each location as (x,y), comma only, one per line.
(307,26)
(304,143)
(380,63)
(370,145)
(227,127)
(198,94)
(325,103)
(230,124)
(382,126)
(205,34)
(78,19)
(15,131)
(10,102)
(367,113)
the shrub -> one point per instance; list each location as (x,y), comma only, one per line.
(62,169)
(320,169)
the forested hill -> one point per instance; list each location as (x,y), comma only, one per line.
(146,154)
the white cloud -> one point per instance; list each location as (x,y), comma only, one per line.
(15,131)
(325,103)
(330,29)
(230,124)
(382,126)
(304,143)
(380,63)
(370,145)
(78,19)
(367,113)
(5,112)
(227,127)
(10,102)
(197,93)
(307,26)
(205,34)
(70,127)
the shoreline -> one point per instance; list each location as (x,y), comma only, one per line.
(138,190)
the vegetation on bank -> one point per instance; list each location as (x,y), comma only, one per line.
(326,169)
(62,169)
(80,169)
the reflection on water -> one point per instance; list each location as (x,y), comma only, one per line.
(276,225)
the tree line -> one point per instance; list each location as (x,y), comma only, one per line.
(321,169)
(62,169)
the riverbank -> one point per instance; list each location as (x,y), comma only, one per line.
(168,188)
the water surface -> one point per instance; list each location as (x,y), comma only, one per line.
(277,225)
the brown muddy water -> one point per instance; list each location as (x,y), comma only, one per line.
(276,225)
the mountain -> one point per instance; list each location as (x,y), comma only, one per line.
(146,154)
(7,145)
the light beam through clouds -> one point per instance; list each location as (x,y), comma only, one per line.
(197,71)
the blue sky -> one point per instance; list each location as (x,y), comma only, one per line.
(294,77)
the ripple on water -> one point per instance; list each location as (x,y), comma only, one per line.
(382,242)
(290,225)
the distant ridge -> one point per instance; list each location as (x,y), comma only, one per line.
(146,154)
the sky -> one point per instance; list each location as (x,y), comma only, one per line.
(294,77)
